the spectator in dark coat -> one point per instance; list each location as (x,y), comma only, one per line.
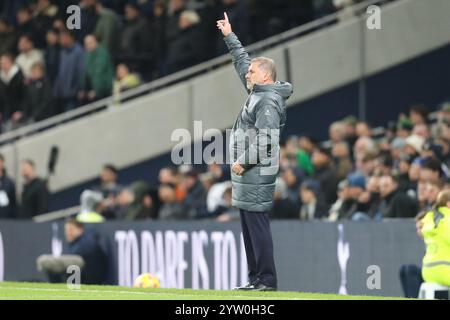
(170,209)
(187,49)
(70,71)
(395,204)
(25,23)
(110,189)
(52,55)
(313,205)
(38,104)
(134,45)
(107,28)
(35,195)
(293,178)
(325,173)
(7,37)
(159,41)
(43,15)
(83,250)
(86,244)
(12,87)
(176,7)
(89,18)
(109,186)
(194,203)
(7,193)
(283,207)
(142,205)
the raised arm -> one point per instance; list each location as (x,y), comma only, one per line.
(241,59)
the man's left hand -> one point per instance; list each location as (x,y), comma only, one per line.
(237,169)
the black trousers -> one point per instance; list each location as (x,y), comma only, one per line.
(411,279)
(258,247)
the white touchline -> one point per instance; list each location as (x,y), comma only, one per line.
(144,293)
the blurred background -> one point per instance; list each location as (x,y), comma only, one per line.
(87,115)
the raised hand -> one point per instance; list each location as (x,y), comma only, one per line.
(224,25)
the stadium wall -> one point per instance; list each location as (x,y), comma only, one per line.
(352,258)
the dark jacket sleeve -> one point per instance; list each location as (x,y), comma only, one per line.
(241,59)
(42,199)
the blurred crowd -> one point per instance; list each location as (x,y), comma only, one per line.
(359,174)
(46,69)
(355,175)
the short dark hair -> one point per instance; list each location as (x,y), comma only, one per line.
(27,36)
(168,185)
(433,164)
(29,162)
(74,222)
(420,109)
(68,32)
(111,168)
(310,138)
(324,151)
(395,178)
(9,55)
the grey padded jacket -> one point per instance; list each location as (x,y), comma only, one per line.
(254,139)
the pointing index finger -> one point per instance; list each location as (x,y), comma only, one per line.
(226,16)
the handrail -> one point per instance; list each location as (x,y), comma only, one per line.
(178,76)
(56,215)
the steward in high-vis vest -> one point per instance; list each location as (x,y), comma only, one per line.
(436,234)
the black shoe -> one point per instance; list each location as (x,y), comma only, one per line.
(249,286)
(263,287)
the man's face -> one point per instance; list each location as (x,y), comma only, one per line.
(23,17)
(25,45)
(165,176)
(428,175)
(355,192)
(387,186)
(255,75)
(90,43)
(107,176)
(122,71)
(319,159)
(36,73)
(3,27)
(131,13)
(306,195)
(71,232)
(65,40)
(5,63)
(52,38)
(26,170)
(432,192)
(166,194)
(373,184)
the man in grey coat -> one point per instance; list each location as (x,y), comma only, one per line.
(254,154)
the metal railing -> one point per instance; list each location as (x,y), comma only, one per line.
(158,84)
(56,215)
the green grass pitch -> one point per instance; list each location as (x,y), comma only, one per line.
(45,291)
